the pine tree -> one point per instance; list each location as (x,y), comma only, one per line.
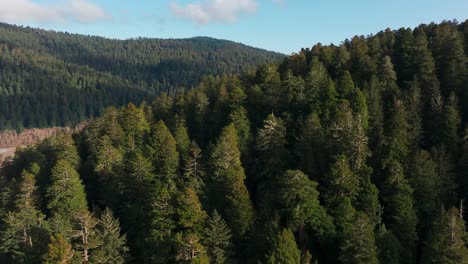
(181,137)
(445,174)
(192,170)
(113,249)
(345,85)
(60,251)
(446,243)
(389,247)
(25,229)
(63,148)
(310,148)
(297,200)
(368,201)
(135,126)
(160,231)
(285,249)
(399,210)
(218,236)
(358,243)
(85,237)
(189,212)
(347,136)
(164,153)
(423,178)
(66,196)
(452,122)
(227,188)
(342,182)
(190,250)
(271,141)
(241,121)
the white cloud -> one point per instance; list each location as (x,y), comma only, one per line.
(27,11)
(215,11)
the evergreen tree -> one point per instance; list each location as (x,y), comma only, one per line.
(270,144)
(25,228)
(113,249)
(424,180)
(310,148)
(85,237)
(66,196)
(241,121)
(182,138)
(218,236)
(135,126)
(60,251)
(452,122)
(446,243)
(399,211)
(164,153)
(358,244)
(285,249)
(227,188)
(389,247)
(297,200)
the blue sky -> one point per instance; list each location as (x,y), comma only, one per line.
(281,25)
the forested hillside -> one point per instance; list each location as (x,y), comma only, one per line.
(356,153)
(54,79)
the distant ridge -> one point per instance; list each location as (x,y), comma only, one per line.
(50,78)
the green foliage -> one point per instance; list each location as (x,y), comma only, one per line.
(446,243)
(164,153)
(60,251)
(113,249)
(227,189)
(67,78)
(218,239)
(358,244)
(66,195)
(285,249)
(294,156)
(25,230)
(297,200)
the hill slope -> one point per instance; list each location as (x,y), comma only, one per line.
(49,78)
(355,153)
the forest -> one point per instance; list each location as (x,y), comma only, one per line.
(50,78)
(350,153)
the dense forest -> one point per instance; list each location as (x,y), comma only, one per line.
(356,153)
(55,79)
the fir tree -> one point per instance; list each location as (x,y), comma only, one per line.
(285,249)
(358,243)
(218,236)
(227,187)
(113,249)
(446,243)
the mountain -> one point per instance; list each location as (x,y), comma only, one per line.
(50,78)
(340,154)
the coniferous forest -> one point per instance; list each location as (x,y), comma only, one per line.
(49,78)
(356,153)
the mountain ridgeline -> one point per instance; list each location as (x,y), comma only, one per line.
(55,79)
(356,153)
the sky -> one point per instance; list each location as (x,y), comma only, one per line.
(284,26)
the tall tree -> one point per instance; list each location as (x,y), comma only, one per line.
(227,188)
(285,249)
(358,244)
(25,230)
(60,251)
(113,249)
(218,239)
(164,153)
(66,196)
(446,243)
